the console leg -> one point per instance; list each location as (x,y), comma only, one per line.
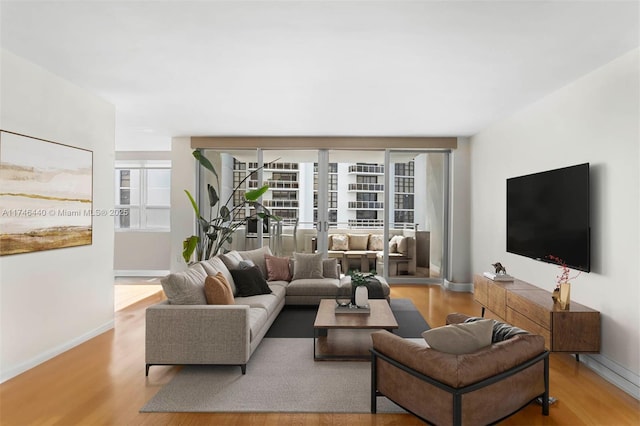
(146,367)
(243,367)
(577,357)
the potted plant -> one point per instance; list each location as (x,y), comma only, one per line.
(218,229)
(360,294)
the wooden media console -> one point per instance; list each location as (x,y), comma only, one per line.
(575,330)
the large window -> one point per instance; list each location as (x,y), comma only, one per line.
(143,197)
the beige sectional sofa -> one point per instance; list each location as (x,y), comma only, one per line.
(184,329)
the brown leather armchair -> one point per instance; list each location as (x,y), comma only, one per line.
(478,388)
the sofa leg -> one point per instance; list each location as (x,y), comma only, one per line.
(243,367)
(146,367)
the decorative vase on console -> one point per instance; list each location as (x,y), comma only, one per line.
(562,292)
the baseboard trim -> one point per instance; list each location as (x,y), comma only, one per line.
(141,272)
(614,373)
(45,356)
(458,287)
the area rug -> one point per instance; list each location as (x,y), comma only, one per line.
(297,321)
(281,377)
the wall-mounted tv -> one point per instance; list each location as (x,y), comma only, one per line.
(548,214)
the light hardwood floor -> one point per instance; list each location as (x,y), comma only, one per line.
(102,382)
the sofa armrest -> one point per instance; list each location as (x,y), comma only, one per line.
(197,334)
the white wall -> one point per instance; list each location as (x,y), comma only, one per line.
(53,300)
(595,120)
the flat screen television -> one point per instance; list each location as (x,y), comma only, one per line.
(548,214)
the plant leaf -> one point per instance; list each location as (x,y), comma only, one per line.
(213,195)
(225,213)
(256,193)
(204,161)
(188,247)
(193,203)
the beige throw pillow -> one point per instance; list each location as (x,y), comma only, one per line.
(358,241)
(460,339)
(330,268)
(339,242)
(376,242)
(218,291)
(307,266)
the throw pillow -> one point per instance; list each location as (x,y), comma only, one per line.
(277,268)
(393,246)
(215,265)
(217,290)
(186,287)
(307,266)
(257,257)
(376,242)
(395,243)
(231,259)
(403,245)
(358,241)
(250,282)
(246,264)
(330,268)
(339,242)
(460,339)
(501,331)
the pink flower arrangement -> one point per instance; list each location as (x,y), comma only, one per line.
(564,277)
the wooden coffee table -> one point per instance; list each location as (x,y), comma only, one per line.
(347,336)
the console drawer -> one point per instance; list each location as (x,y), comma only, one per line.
(534,312)
(519,320)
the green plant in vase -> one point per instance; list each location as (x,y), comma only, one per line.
(223,222)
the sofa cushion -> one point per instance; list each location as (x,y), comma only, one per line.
(358,241)
(250,282)
(186,287)
(277,268)
(339,242)
(268,302)
(257,257)
(460,339)
(314,287)
(330,268)
(376,242)
(215,265)
(257,321)
(217,290)
(306,266)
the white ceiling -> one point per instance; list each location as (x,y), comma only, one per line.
(385,68)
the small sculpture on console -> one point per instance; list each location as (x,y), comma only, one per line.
(500,270)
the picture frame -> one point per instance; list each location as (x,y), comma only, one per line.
(46,195)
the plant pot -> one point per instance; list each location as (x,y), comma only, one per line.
(362,296)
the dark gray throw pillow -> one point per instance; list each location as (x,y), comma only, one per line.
(501,331)
(250,282)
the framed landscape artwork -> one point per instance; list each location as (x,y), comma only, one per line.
(46,192)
